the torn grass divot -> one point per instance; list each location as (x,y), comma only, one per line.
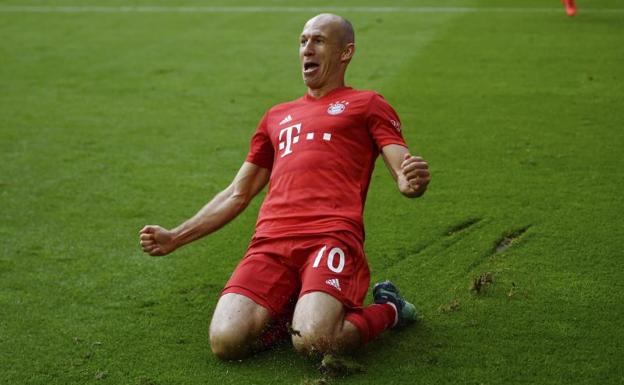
(481,283)
(450,307)
(332,367)
(339,366)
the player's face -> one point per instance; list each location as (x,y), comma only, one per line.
(320,49)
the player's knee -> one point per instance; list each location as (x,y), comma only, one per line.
(229,343)
(311,341)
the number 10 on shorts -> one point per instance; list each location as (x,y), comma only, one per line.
(331,259)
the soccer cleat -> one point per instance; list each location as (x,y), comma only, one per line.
(386,292)
(570,7)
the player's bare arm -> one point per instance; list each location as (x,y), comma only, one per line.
(410,172)
(223,208)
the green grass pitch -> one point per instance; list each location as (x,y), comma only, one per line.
(113,119)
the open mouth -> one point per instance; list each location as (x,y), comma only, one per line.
(310,67)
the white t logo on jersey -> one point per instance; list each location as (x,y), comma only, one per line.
(291,138)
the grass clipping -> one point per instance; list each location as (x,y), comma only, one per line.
(332,366)
(337,366)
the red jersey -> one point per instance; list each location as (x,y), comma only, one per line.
(321,153)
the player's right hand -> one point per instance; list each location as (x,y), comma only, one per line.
(156,240)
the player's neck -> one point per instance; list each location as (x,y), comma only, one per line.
(318,93)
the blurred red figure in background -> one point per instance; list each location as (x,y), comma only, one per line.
(570,7)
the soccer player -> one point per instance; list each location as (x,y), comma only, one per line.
(317,154)
(570,7)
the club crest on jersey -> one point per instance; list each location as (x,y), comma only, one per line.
(337,108)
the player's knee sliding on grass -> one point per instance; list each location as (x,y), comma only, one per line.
(321,324)
(326,326)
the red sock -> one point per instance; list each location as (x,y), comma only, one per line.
(372,320)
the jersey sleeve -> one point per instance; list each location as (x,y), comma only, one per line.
(261,151)
(383,123)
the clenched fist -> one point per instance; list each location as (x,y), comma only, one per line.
(414,176)
(156,241)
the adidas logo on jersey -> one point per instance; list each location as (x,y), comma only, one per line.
(334,282)
(286,120)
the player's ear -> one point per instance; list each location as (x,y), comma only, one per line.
(347,52)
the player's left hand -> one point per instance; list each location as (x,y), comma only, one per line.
(414,176)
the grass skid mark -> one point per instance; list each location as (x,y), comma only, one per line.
(502,244)
(406,253)
(445,240)
(509,239)
(464,225)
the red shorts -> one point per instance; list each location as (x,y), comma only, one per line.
(277,271)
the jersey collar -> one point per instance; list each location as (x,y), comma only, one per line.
(331,93)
